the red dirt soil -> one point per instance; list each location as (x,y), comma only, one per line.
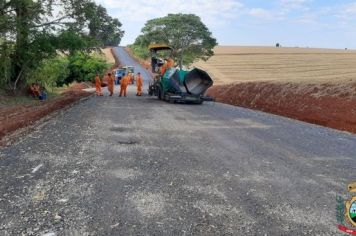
(328,105)
(19,116)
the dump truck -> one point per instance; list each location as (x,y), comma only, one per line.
(119,73)
(129,69)
(175,85)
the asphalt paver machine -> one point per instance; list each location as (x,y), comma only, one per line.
(177,86)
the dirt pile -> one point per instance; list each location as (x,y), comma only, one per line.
(331,105)
(79,86)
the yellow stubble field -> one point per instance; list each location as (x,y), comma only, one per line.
(233,64)
(107,55)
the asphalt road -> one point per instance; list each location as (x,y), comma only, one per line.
(139,166)
(126,60)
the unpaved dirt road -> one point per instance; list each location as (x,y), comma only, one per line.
(139,166)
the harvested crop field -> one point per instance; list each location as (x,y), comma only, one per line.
(108,55)
(247,64)
(312,85)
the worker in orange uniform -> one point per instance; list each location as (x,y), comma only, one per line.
(169,64)
(132,78)
(123,84)
(34,91)
(37,90)
(111,81)
(139,83)
(98,85)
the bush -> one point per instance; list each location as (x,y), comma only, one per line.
(55,72)
(84,67)
(141,52)
(51,72)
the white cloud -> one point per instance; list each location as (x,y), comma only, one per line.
(345,14)
(211,11)
(214,13)
(231,20)
(283,11)
(350,9)
(264,14)
(308,18)
(294,4)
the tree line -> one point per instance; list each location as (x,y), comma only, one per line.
(53,39)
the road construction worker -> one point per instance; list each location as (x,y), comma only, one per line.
(33,91)
(37,90)
(110,80)
(123,84)
(139,83)
(98,85)
(132,78)
(169,64)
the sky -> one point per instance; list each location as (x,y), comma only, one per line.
(292,23)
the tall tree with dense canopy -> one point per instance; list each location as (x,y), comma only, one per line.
(188,36)
(33,30)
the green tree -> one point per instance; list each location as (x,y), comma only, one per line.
(84,67)
(34,30)
(188,36)
(68,42)
(141,52)
(5,63)
(102,27)
(51,72)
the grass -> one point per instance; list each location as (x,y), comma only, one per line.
(57,91)
(16,100)
(7,100)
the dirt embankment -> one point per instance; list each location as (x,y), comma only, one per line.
(16,117)
(108,55)
(312,85)
(326,104)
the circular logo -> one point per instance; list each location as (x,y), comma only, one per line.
(352,211)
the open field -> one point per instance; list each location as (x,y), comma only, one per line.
(108,55)
(246,64)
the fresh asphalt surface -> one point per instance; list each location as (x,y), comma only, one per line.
(140,166)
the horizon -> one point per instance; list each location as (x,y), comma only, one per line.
(292,23)
(282,46)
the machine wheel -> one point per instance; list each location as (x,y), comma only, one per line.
(150,90)
(160,92)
